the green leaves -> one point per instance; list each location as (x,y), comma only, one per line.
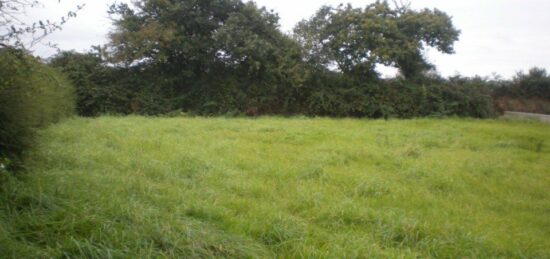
(32,95)
(228,56)
(212,50)
(359,39)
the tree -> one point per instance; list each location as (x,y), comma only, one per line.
(169,32)
(208,52)
(355,39)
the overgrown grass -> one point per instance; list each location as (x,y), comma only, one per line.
(140,187)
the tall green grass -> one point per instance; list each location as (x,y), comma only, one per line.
(140,187)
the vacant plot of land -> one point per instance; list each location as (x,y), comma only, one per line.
(200,187)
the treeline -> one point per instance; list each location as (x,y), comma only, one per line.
(214,57)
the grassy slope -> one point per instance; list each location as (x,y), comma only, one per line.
(138,187)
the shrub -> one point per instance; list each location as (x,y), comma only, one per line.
(536,83)
(405,99)
(142,89)
(97,87)
(32,95)
(527,92)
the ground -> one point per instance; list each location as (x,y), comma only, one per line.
(139,187)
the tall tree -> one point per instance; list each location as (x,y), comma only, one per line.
(356,39)
(193,42)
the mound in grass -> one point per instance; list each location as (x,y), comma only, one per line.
(195,187)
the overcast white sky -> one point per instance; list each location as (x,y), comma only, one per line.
(498,36)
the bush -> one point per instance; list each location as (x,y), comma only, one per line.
(97,87)
(527,92)
(400,98)
(143,89)
(536,83)
(32,95)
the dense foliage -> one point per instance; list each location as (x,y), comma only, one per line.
(95,89)
(356,40)
(535,83)
(404,99)
(31,95)
(211,56)
(527,92)
(229,57)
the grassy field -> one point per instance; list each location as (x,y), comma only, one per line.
(140,187)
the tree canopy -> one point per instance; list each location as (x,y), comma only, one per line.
(230,57)
(188,41)
(356,39)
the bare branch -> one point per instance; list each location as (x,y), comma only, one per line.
(402,6)
(15,30)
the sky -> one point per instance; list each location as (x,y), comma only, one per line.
(498,37)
